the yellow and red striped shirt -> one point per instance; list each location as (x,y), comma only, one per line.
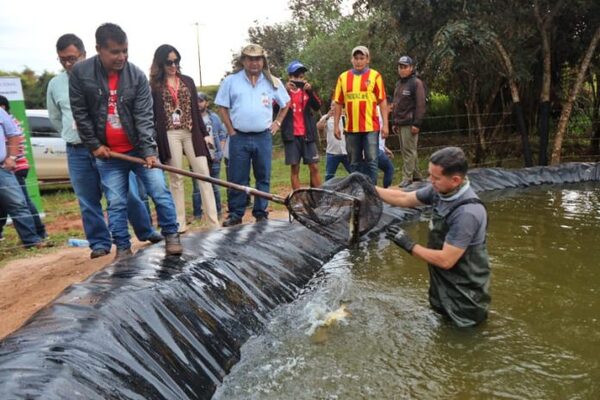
(360,95)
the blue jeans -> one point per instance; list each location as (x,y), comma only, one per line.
(86,183)
(247,150)
(40,228)
(332,161)
(13,201)
(215,172)
(363,147)
(385,164)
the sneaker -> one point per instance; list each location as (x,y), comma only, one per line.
(231,221)
(261,218)
(155,237)
(405,183)
(99,253)
(173,245)
(123,254)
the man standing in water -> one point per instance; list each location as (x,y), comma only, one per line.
(456,253)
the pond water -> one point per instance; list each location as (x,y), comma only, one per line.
(541,341)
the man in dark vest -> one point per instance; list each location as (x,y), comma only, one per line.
(456,254)
(407,117)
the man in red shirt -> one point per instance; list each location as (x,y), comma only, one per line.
(112,106)
(299,129)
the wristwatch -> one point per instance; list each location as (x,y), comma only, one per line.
(14,158)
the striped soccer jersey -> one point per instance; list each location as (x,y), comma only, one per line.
(360,95)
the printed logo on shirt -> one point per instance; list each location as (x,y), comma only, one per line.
(406,92)
(113,113)
(265,100)
(208,124)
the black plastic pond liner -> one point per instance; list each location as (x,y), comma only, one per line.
(156,327)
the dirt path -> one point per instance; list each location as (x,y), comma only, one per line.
(28,284)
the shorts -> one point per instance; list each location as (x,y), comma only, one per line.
(298,149)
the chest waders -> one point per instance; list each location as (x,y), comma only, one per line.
(461,292)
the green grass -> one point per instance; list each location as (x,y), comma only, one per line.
(61,208)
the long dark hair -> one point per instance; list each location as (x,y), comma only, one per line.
(157,69)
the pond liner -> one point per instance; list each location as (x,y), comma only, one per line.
(156,327)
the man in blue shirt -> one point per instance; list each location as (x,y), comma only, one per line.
(12,198)
(83,171)
(245,101)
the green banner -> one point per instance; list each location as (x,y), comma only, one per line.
(10,87)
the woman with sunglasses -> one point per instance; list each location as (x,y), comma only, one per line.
(180,129)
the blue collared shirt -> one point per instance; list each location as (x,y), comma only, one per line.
(8,128)
(250,107)
(59,108)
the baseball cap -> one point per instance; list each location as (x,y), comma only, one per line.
(253,50)
(405,60)
(360,49)
(202,96)
(294,66)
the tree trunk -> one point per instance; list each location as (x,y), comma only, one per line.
(568,106)
(517,106)
(544,24)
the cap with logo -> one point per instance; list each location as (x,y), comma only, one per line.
(295,66)
(360,49)
(253,50)
(405,60)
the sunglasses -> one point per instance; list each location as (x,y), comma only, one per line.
(169,63)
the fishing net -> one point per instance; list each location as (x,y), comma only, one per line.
(343,209)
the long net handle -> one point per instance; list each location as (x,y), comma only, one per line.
(206,178)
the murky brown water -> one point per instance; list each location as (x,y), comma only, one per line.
(542,339)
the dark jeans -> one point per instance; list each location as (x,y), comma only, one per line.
(115,177)
(13,201)
(249,150)
(386,165)
(332,161)
(363,147)
(215,172)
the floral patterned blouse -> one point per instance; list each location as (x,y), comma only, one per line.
(185,107)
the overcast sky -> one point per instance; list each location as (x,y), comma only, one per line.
(29,30)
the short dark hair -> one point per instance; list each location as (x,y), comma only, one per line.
(109,31)
(452,160)
(67,40)
(4,103)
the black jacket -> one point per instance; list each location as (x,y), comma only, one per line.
(287,126)
(88,92)
(409,102)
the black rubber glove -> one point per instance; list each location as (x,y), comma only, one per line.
(400,237)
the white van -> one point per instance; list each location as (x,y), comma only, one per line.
(49,149)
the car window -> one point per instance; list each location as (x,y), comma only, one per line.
(41,127)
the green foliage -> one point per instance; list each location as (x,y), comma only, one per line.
(34,86)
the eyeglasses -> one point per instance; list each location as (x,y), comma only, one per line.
(69,60)
(403,66)
(169,63)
